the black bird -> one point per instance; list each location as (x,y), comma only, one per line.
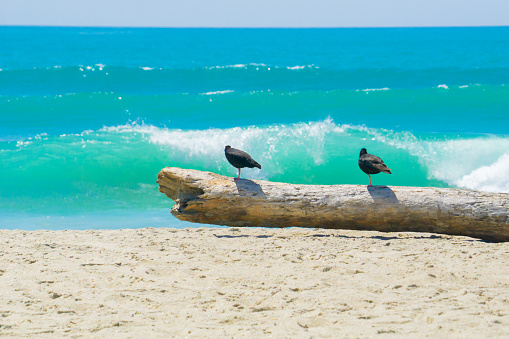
(371,164)
(239,159)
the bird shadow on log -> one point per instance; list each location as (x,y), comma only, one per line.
(249,188)
(383,194)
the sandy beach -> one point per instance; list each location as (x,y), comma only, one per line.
(235,282)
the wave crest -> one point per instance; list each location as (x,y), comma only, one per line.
(303,152)
(492,178)
(318,152)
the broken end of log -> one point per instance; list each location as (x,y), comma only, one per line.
(184,185)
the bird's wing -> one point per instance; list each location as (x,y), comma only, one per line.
(234,158)
(379,164)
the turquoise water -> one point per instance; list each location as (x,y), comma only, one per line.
(88,116)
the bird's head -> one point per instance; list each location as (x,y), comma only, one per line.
(363,151)
(227,147)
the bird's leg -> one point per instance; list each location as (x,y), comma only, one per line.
(369,180)
(238,178)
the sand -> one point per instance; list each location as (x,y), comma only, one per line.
(256,283)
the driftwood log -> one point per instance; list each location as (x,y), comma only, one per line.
(204,197)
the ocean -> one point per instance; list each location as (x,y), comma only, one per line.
(89,116)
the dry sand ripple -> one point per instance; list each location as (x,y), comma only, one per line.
(229,282)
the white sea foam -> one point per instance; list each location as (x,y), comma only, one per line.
(478,162)
(444,86)
(266,144)
(253,64)
(92,68)
(492,178)
(300,67)
(228,66)
(22,143)
(147,68)
(218,92)
(376,89)
(453,160)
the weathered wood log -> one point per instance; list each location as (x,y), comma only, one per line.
(204,197)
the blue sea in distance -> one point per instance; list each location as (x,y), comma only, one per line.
(89,116)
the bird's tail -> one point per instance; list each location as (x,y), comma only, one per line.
(255,164)
(388,170)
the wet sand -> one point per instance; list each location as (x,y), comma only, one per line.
(251,282)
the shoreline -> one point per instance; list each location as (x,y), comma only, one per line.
(251,282)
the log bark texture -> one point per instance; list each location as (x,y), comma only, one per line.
(204,197)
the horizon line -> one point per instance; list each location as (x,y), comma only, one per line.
(253,27)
